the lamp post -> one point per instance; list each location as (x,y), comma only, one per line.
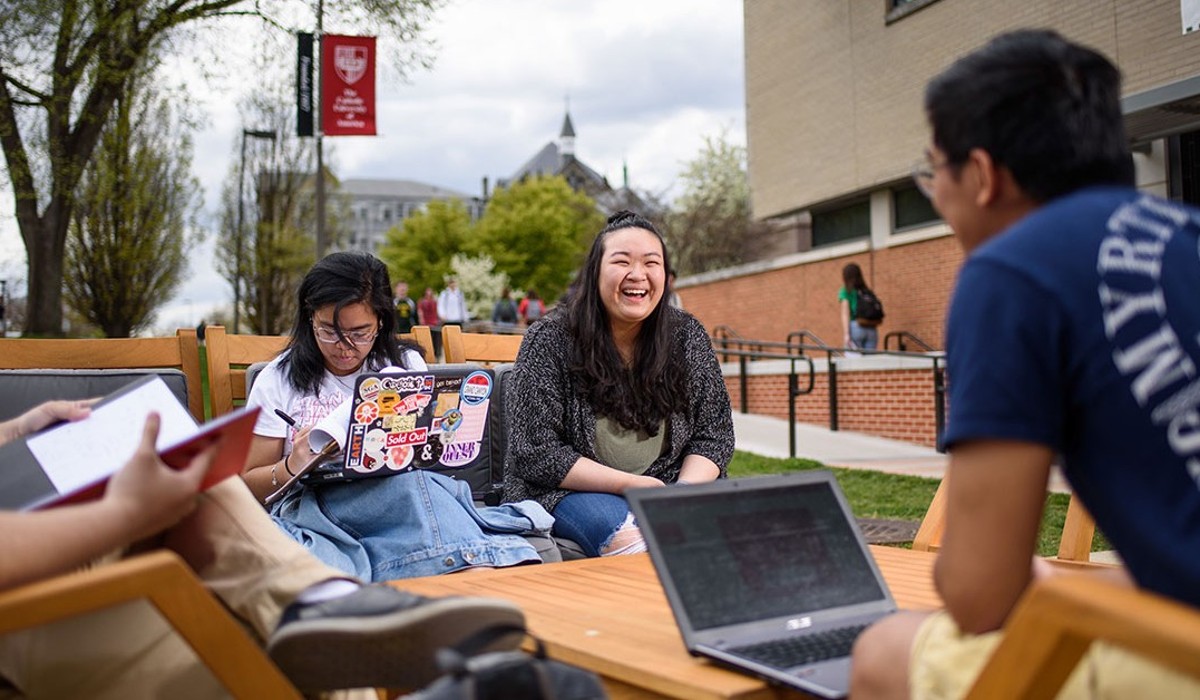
(237,282)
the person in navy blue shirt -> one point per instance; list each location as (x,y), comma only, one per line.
(1072,336)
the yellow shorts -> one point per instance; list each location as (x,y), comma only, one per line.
(945,662)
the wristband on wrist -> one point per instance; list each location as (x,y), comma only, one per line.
(274,480)
(285,464)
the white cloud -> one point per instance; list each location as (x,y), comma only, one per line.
(647,81)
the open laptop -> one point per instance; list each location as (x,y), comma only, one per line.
(435,419)
(769,575)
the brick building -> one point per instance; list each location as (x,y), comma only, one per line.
(834,121)
(834,124)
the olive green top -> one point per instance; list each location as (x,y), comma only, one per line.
(628,450)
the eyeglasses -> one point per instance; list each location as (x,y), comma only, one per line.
(329,335)
(923,171)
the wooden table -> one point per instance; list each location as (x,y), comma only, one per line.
(611,616)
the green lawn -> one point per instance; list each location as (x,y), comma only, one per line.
(878,495)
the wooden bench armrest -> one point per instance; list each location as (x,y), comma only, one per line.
(1058,619)
(167,583)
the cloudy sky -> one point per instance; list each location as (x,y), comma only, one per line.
(647,81)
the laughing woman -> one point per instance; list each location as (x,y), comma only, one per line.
(616,389)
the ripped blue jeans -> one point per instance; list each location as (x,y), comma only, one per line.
(590,519)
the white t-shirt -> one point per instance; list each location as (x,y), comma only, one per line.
(272,390)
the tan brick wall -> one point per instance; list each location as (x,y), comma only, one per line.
(913,281)
(833,94)
(896,404)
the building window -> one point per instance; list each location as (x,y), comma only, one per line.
(845,223)
(911,209)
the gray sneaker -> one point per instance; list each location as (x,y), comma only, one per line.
(381,637)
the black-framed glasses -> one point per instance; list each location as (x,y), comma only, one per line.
(329,335)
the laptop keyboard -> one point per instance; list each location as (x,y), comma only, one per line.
(802,650)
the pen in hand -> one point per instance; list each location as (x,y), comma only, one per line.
(282,414)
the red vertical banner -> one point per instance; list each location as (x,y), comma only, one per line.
(348,85)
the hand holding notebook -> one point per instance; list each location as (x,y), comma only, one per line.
(73,461)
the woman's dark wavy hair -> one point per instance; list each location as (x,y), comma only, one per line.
(639,397)
(341,279)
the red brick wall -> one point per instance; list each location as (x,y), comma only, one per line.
(897,404)
(913,281)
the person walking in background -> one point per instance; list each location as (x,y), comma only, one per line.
(504,313)
(856,332)
(531,308)
(406,309)
(427,314)
(452,305)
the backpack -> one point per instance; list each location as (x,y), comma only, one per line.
(533,310)
(507,675)
(868,309)
(506,311)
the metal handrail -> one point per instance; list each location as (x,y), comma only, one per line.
(900,336)
(794,389)
(794,349)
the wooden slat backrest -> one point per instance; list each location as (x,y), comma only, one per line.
(228,357)
(484,348)
(1060,617)
(178,352)
(421,335)
(1075,545)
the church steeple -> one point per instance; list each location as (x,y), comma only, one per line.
(566,139)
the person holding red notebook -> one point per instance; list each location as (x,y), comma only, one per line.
(325,631)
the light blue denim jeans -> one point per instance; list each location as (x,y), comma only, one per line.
(864,338)
(413,524)
(590,519)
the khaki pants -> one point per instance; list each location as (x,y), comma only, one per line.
(945,663)
(130,652)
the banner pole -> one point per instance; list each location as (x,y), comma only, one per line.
(322,243)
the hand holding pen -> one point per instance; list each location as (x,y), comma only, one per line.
(330,449)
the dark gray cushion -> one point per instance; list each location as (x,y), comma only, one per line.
(22,389)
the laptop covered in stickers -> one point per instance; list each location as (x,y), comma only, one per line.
(437,419)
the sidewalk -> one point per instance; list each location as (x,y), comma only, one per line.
(766,436)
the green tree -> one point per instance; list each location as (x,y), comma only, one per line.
(537,231)
(64,65)
(421,248)
(134,218)
(711,225)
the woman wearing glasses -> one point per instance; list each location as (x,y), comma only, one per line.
(377,529)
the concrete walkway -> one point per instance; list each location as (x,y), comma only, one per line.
(763,435)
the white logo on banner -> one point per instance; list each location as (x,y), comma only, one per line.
(350,62)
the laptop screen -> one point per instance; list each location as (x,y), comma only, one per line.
(744,555)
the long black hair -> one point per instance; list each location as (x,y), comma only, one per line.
(642,395)
(852,278)
(341,279)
